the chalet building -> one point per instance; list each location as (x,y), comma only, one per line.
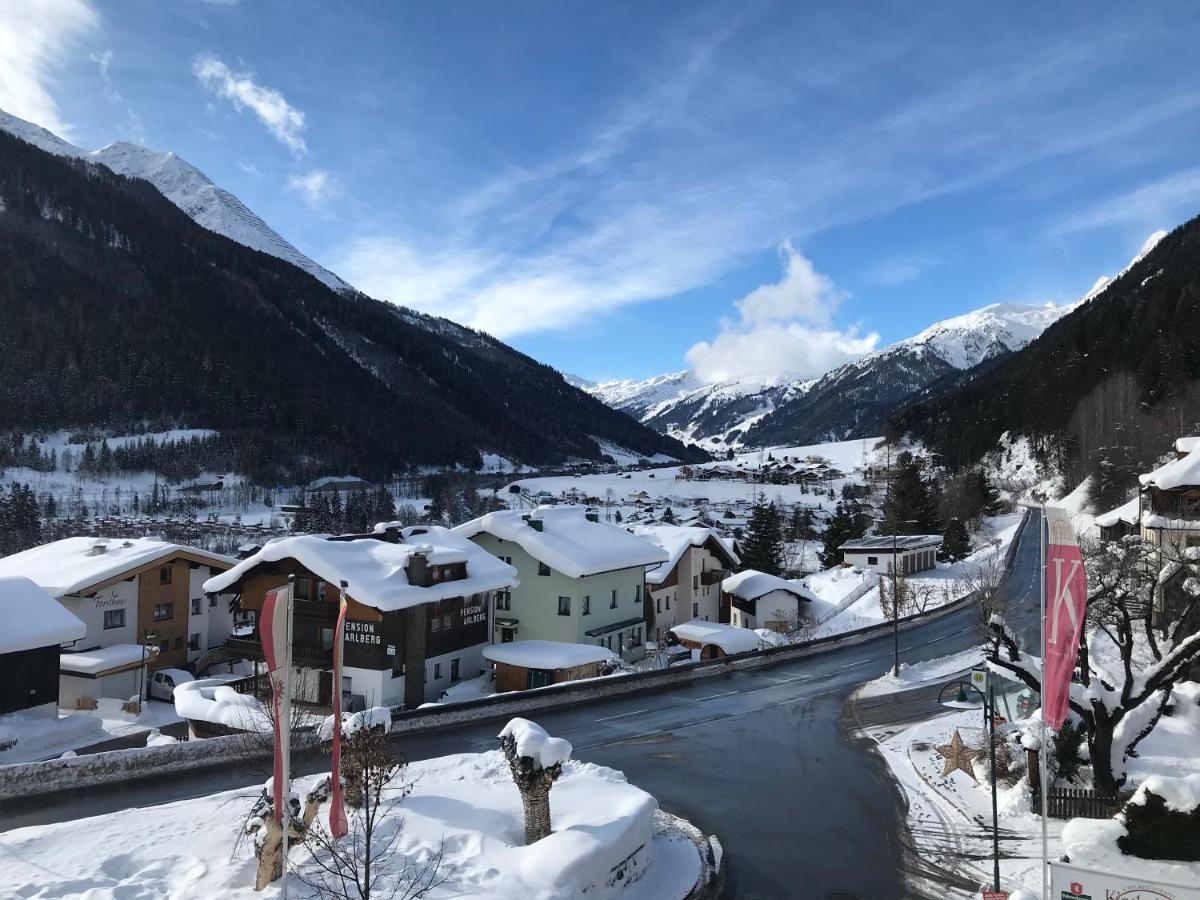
(1120,522)
(907,553)
(35,627)
(760,600)
(524,665)
(419,605)
(126,593)
(688,584)
(582,581)
(1169,501)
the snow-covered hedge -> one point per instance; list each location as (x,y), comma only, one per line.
(1162,820)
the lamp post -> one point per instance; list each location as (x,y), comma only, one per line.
(896,597)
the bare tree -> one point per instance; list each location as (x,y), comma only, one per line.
(983,580)
(1120,702)
(364,863)
(534,772)
(792,626)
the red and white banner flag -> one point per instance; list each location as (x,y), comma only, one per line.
(1066,603)
(338,826)
(273,629)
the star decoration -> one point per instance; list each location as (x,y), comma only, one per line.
(958,756)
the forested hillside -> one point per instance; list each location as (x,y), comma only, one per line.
(119,312)
(1101,391)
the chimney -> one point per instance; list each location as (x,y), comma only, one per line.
(418,562)
(536,524)
(99,547)
(592,515)
(391,534)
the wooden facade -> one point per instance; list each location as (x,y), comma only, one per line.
(521,678)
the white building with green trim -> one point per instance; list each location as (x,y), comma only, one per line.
(581,580)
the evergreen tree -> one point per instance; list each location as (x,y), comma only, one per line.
(956,543)
(762,546)
(385,505)
(668,516)
(909,507)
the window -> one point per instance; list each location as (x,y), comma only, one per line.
(194,641)
(446,622)
(164,646)
(613,603)
(454,670)
(164,575)
(658,604)
(504,600)
(179,642)
(212,602)
(872,560)
(695,610)
(196,606)
(437,671)
(543,569)
(435,624)
(114,618)
(587,605)
(668,602)
(637,593)
(300,587)
(564,606)
(507,560)
(695,582)
(164,611)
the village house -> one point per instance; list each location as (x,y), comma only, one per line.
(688,584)
(35,627)
(760,600)
(142,604)
(524,665)
(1169,501)
(418,610)
(1120,522)
(582,580)
(912,552)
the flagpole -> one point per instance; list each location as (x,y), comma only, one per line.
(1044,749)
(287,754)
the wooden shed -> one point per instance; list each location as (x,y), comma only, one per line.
(521,665)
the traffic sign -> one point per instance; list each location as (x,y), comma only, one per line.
(979,679)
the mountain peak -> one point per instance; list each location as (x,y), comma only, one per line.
(184,185)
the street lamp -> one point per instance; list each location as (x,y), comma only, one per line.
(896,597)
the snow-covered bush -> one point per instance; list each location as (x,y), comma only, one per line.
(1162,820)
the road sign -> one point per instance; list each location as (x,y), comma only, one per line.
(979,679)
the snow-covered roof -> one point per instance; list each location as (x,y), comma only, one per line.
(546,654)
(375,570)
(74,564)
(32,618)
(729,638)
(1177,473)
(569,542)
(887,542)
(103,659)
(213,700)
(1126,512)
(675,540)
(752,584)
(1187,444)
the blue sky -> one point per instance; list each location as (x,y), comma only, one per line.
(623,189)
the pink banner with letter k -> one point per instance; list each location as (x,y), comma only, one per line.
(1066,603)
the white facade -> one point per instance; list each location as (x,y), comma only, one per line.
(774,608)
(210,619)
(880,561)
(380,687)
(686,596)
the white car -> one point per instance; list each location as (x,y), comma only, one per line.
(163,681)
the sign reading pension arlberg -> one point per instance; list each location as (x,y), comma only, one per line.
(1070,882)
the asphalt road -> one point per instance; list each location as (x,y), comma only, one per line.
(763,759)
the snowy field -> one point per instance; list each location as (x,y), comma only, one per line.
(466,802)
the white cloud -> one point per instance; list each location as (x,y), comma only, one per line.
(783,330)
(1161,202)
(249,168)
(313,186)
(899,270)
(35,40)
(282,119)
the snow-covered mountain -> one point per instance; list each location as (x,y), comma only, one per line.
(184,185)
(853,400)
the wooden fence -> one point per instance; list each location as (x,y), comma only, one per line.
(1081,803)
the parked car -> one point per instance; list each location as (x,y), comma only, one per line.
(162,683)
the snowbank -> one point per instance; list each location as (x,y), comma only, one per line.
(467,803)
(33,618)
(1092,843)
(928,672)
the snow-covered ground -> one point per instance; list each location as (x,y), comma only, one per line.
(949,816)
(924,673)
(118,723)
(466,802)
(39,736)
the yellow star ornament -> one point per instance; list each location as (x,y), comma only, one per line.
(958,756)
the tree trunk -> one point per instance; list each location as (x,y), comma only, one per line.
(1100,748)
(535,799)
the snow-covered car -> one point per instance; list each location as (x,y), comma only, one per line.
(162,682)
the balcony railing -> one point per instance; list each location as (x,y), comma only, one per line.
(304,655)
(713,576)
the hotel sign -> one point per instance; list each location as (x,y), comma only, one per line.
(1069,882)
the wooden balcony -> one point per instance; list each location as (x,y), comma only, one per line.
(304,655)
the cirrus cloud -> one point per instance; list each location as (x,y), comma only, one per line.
(283,120)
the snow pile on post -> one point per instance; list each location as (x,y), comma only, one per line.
(532,741)
(32,618)
(567,541)
(213,700)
